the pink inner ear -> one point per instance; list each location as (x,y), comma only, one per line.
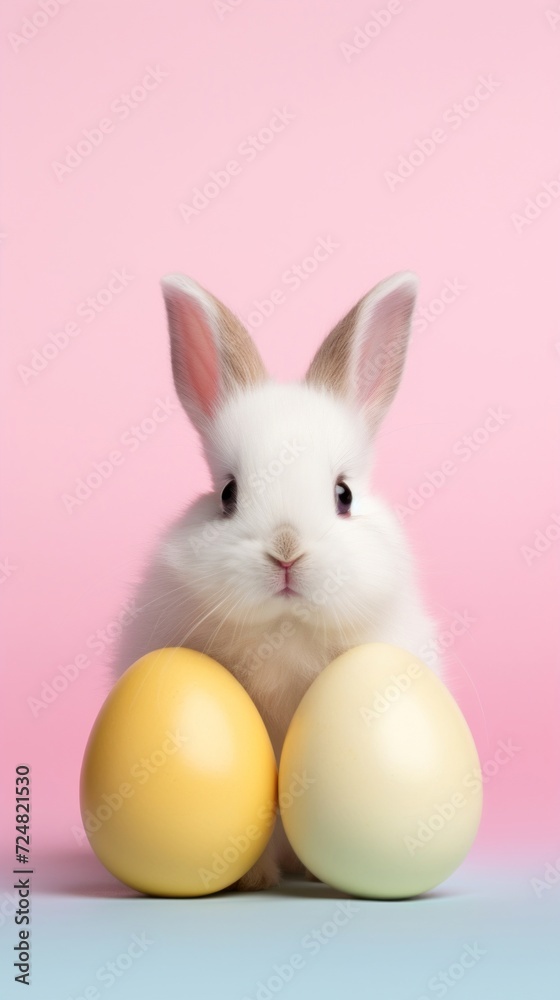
(383,348)
(198,355)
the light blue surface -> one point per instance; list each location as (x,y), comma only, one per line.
(221,947)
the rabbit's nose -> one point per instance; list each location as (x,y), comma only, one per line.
(284,546)
(285,564)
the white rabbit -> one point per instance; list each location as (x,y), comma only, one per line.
(289,560)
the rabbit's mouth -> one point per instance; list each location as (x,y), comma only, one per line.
(287,592)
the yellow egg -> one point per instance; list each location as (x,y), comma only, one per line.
(378,784)
(178,783)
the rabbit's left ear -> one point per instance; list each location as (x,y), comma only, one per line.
(212,354)
(362,359)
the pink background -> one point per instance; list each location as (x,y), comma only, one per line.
(496,346)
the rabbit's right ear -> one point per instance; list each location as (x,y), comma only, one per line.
(211,352)
(363,357)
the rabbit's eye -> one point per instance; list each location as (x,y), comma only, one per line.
(343,496)
(229,497)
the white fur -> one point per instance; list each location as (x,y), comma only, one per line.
(211,585)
